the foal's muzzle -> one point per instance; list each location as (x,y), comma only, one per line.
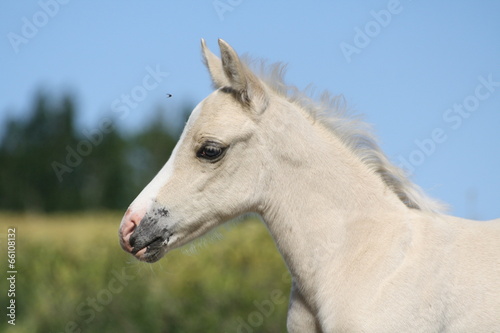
(145,237)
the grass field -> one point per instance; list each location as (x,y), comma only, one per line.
(72,276)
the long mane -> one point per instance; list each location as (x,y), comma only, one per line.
(356,134)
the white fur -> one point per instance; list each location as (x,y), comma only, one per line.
(367,251)
(149,194)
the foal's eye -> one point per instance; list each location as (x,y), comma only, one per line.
(210,151)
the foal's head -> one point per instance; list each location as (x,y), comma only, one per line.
(213,174)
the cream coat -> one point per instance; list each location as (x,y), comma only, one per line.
(367,251)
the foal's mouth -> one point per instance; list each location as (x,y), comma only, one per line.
(152,250)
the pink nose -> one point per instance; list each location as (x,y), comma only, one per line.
(128,225)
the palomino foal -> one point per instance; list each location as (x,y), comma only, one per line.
(366,250)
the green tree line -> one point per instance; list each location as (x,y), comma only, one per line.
(48,164)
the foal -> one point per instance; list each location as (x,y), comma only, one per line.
(390,262)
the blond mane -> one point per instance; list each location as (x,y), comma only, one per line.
(355,133)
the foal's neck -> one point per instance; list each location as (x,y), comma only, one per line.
(321,197)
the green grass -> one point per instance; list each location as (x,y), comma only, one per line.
(74,277)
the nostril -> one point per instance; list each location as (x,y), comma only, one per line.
(129,225)
(131,240)
(128,228)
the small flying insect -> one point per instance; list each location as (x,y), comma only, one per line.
(169,95)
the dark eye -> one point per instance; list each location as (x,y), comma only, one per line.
(210,151)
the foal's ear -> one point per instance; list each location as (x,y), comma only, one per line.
(247,87)
(214,66)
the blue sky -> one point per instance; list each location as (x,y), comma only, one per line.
(425,74)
